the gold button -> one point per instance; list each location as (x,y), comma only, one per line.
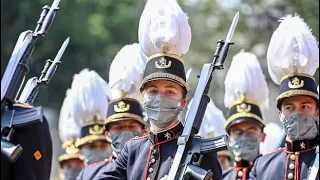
(154,151)
(290,175)
(151,148)
(150,170)
(291,166)
(148,178)
(153,160)
(293,157)
(240,173)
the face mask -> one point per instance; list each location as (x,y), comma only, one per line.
(246,148)
(92,156)
(120,139)
(300,126)
(71,174)
(224,166)
(161,110)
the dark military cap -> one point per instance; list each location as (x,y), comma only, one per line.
(297,85)
(244,110)
(91,131)
(70,152)
(124,109)
(165,66)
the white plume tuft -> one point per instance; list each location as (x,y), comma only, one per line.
(213,121)
(245,77)
(164,23)
(273,135)
(126,72)
(68,129)
(292,49)
(90,94)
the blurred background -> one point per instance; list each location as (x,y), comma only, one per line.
(98,29)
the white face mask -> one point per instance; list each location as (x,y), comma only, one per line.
(161,111)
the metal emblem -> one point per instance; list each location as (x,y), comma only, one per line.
(296,83)
(302,145)
(71,149)
(96,130)
(243,108)
(121,107)
(162,64)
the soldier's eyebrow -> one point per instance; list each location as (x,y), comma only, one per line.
(152,85)
(171,86)
(306,102)
(287,103)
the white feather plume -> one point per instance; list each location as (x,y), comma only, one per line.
(292,49)
(213,120)
(68,129)
(126,72)
(245,77)
(273,135)
(90,94)
(164,22)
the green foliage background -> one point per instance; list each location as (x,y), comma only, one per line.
(99,28)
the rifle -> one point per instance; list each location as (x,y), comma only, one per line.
(13,79)
(190,147)
(32,86)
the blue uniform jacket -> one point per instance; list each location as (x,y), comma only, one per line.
(292,162)
(240,172)
(150,157)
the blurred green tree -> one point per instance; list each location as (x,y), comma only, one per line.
(97,30)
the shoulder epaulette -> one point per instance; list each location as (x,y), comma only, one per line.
(141,137)
(100,162)
(273,152)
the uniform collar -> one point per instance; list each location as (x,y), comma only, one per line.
(166,135)
(243,163)
(301,145)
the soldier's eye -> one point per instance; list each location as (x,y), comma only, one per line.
(170,92)
(153,92)
(305,107)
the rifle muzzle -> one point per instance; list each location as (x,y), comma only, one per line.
(11,151)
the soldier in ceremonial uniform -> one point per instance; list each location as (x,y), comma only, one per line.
(164,35)
(246,96)
(90,96)
(70,162)
(293,57)
(36,158)
(124,118)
